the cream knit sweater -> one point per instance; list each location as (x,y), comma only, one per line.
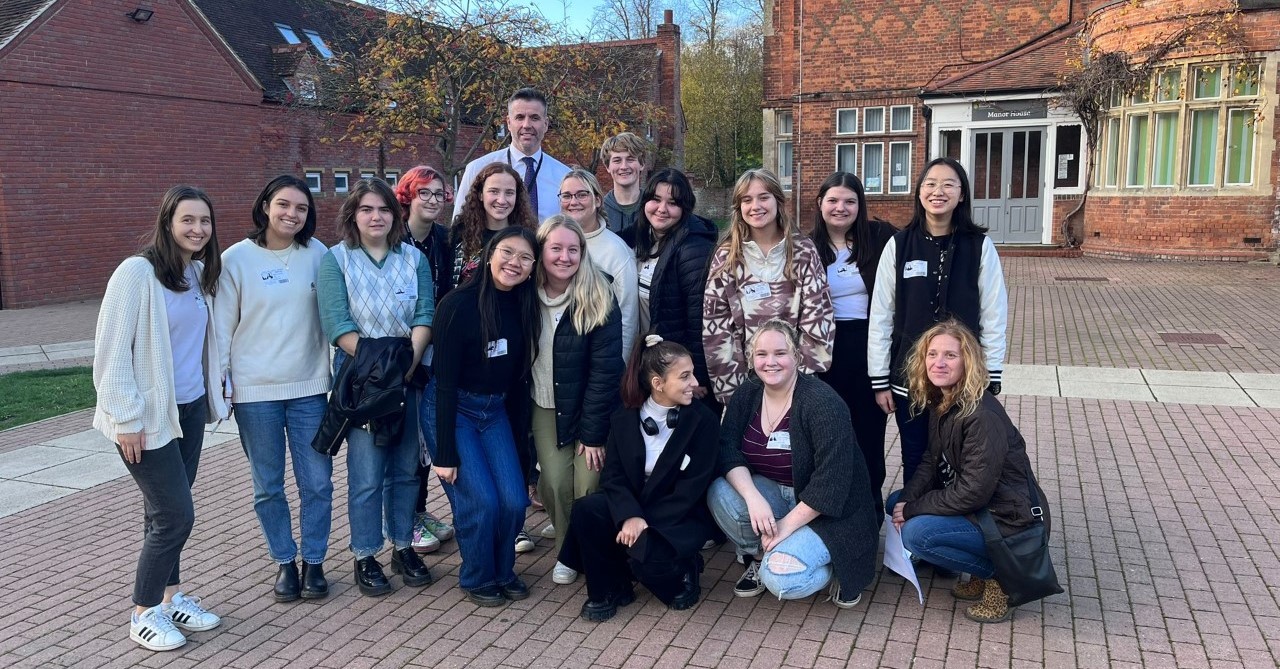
(133,361)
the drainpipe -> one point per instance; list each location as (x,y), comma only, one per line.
(796,170)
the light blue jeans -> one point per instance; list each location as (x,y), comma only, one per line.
(796,568)
(267,429)
(951,542)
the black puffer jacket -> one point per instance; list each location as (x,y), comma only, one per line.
(679,279)
(368,390)
(587,371)
(973,462)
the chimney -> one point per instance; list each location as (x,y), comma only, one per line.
(668,17)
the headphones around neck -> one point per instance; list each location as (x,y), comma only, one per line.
(650,426)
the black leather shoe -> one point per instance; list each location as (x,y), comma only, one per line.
(369,577)
(314,584)
(287,586)
(407,563)
(489,595)
(515,590)
(600,611)
(690,594)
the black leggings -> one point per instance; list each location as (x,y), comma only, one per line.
(165,475)
(848,375)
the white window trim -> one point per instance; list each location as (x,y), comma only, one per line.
(879,190)
(318,42)
(346,175)
(1146,157)
(906,172)
(319,177)
(366,174)
(786,178)
(854,110)
(911,119)
(785,113)
(1223,73)
(391,177)
(1226,137)
(854,167)
(286,31)
(884,120)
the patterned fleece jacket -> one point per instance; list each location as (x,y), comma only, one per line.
(738,301)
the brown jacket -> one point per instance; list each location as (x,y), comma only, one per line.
(988,464)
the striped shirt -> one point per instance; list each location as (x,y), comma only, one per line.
(769,455)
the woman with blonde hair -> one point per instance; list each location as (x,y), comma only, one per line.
(576,374)
(977,460)
(580,198)
(762,269)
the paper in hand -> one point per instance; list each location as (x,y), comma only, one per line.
(896,556)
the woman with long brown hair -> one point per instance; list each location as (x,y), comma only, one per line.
(496,199)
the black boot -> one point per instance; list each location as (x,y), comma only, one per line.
(602,610)
(692,589)
(314,584)
(369,577)
(287,586)
(407,563)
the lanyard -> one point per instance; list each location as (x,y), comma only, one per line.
(536,168)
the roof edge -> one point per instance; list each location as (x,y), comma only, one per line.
(35,16)
(1067,31)
(243,70)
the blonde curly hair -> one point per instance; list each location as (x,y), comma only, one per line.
(966,394)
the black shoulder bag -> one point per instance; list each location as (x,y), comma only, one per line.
(1023,568)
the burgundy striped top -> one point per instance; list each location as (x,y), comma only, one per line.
(769,456)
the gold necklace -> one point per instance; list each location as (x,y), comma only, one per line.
(764,410)
(287,256)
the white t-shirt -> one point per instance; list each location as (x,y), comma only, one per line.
(644,270)
(655,443)
(188,319)
(849,293)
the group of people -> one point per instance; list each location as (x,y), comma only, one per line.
(657,385)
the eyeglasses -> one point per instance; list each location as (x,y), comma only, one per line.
(940,185)
(431,195)
(507,255)
(580,196)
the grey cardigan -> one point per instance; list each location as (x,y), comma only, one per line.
(827,468)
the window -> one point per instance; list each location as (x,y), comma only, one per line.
(847,158)
(785,123)
(900,119)
(873,168)
(1139,135)
(873,119)
(1240,133)
(784,163)
(899,167)
(951,144)
(287,33)
(1163,170)
(318,43)
(341,181)
(1142,94)
(367,174)
(846,121)
(1195,130)
(313,180)
(307,89)
(1068,157)
(392,177)
(1204,147)
(1112,142)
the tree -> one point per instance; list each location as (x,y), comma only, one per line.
(723,83)
(626,19)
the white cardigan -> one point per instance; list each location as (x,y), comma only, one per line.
(133,361)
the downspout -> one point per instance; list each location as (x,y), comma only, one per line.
(795,141)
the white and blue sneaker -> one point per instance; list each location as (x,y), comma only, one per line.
(186,613)
(154,630)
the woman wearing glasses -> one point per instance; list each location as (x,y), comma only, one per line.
(477,401)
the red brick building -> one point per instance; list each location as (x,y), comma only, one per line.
(102,108)
(881,90)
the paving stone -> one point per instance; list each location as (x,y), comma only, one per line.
(17,496)
(82,473)
(1107,390)
(19,463)
(1030,373)
(1265,398)
(1030,386)
(1257,381)
(1164,377)
(87,440)
(70,354)
(1100,375)
(1214,396)
(11,360)
(69,346)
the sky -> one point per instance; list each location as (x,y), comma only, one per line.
(577,12)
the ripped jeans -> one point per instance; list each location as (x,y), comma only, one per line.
(794,569)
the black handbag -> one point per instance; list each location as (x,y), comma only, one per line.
(1023,568)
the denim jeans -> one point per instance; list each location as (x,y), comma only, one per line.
(266,430)
(913,435)
(165,475)
(798,566)
(489,497)
(951,542)
(381,482)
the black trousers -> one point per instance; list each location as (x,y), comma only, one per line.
(848,376)
(165,475)
(591,548)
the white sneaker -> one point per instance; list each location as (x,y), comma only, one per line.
(548,532)
(563,575)
(186,613)
(524,543)
(154,630)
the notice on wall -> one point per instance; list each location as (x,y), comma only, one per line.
(1063,160)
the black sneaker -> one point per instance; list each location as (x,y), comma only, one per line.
(749,585)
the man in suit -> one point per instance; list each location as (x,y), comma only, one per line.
(527,123)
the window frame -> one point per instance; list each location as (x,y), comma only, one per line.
(318,176)
(879,188)
(852,146)
(392,177)
(786,176)
(911,119)
(854,111)
(288,33)
(342,181)
(318,42)
(884,114)
(906,188)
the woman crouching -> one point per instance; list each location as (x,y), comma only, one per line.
(649,518)
(976,460)
(795,498)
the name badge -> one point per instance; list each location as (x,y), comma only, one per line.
(496,348)
(273,277)
(756,291)
(646,270)
(199,298)
(915,268)
(779,441)
(846,270)
(407,293)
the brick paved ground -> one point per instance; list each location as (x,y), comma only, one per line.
(1166,538)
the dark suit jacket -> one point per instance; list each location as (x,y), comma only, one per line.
(674,499)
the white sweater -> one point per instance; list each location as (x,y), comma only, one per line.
(133,360)
(266,316)
(612,256)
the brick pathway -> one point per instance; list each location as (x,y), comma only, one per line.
(1166,537)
